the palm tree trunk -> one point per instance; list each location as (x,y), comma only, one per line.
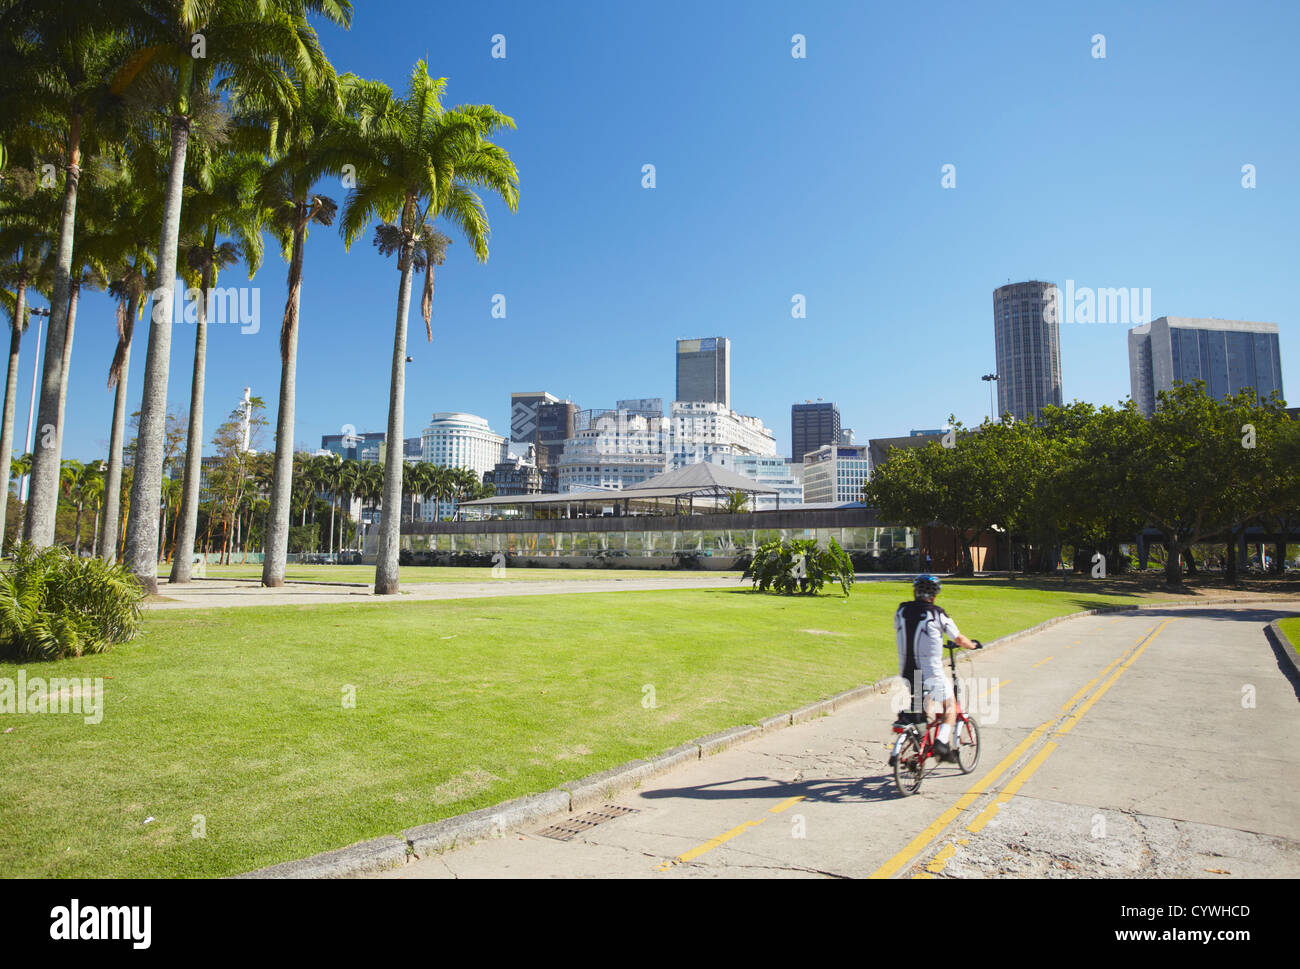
(113,480)
(43,492)
(76,538)
(141,535)
(74,293)
(277,539)
(389,539)
(11,394)
(331,548)
(183,553)
(94,551)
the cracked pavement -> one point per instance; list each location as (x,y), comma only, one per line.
(1159,744)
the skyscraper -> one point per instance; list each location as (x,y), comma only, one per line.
(1228,355)
(704,370)
(1027,337)
(811,426)
(523,415)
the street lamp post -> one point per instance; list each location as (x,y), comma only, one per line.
(990,378)
(31,407)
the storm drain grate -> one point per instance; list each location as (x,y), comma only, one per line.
(569,829)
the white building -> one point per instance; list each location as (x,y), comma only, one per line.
(456,440)
(619,448)
(616,450)
(700,429)
(835,473)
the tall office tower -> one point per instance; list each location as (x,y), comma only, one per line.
(704,370)
(1229,355)
(811,426)
(556,423)
(523,415)
(1027,336)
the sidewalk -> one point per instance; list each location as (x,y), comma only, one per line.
(234,593)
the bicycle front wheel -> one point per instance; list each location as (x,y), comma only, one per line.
(968,744)
(909,769)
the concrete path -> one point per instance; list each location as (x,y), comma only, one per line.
(1164,743)
(227,593)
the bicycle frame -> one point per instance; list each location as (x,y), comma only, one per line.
(927,739)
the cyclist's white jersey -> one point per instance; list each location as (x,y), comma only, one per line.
(920,628)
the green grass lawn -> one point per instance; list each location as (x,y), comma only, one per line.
(412,574)
(237,714)
(1291,629)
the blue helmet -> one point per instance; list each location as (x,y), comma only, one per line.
(926,585)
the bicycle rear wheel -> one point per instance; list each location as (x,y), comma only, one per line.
(968,744)
(909,768)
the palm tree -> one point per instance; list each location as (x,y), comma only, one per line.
(413,476)
(287,191)
(223,206)
(128,290)
(349,480)
(329,471)
(247,46)
(22,247)
(86,479)
(69,471)
(18,318)
(415,161)
(94,491)
(371,489)
(56,102)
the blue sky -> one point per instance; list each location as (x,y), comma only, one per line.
(779,176)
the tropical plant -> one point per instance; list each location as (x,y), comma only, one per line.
(247,46)
(54,605)
(287,192)
(22,246)
(799,566)
(221,206)
(57,102)
(415,161)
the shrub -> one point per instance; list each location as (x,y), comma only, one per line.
(54,605)
(799,566)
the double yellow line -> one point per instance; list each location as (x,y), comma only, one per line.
(1066,721)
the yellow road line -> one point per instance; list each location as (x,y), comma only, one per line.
(710,845)
(919,843)
(1073,719)
(1074,699)
(1042,661)
(788,803)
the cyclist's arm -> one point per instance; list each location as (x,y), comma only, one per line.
(952,632)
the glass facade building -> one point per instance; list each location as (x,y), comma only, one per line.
(1229,355)
(704,370)
(811,426)
(1027,340)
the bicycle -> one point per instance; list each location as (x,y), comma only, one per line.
(914,747)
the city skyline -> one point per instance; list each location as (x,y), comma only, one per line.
(888,263)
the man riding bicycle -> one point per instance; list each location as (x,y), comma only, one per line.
(920,627)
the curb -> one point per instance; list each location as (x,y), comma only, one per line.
(1283,644)
(377,854)
(392,851)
